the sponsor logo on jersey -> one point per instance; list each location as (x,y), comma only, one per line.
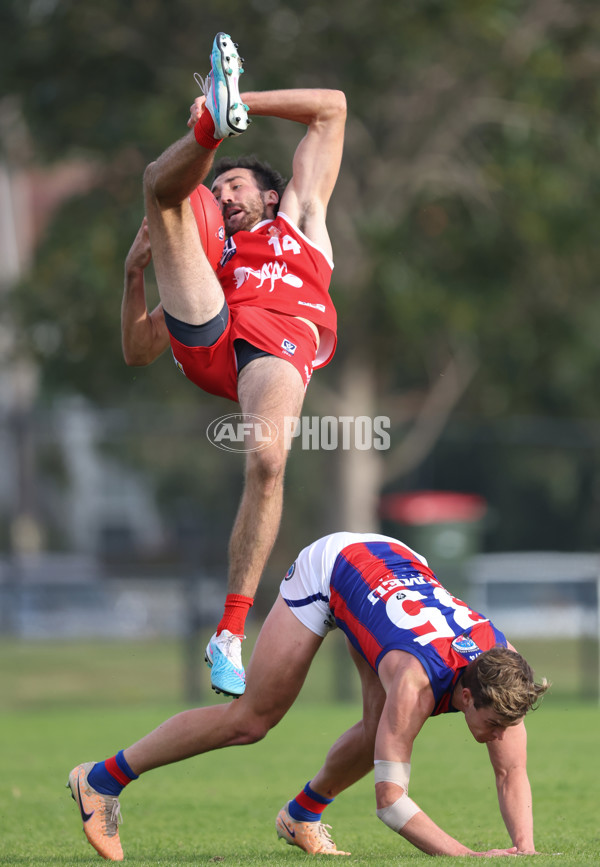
(269,273)
(288,347)
(290,572)
(229,250)
(320,307)
(466,646)
(392,584)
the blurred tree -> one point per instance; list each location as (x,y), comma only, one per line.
(466,269)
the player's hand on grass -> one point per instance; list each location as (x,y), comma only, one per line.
(495,853)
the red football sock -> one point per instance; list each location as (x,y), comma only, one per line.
(204,130)
(236,611)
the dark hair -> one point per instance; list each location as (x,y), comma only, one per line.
(500,678)
(266,176)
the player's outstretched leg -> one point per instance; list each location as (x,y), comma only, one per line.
(313,837)
(224,658)
(221,88)
(101,814)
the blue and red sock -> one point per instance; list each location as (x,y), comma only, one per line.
(111,776)
(308,806)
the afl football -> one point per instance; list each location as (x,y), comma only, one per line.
(210,223)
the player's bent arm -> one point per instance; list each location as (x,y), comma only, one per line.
(143,338)
(144,335)
(409,702)
(303,105)
(509,760)
(318,157)
(422,831)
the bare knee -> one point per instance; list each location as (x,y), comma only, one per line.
(153,194)
(265,469)
(249,730)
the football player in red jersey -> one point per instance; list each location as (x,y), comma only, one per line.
(419,652)
(254,331)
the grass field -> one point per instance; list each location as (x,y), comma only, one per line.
(66,703)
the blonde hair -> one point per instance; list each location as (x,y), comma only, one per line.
(502,679)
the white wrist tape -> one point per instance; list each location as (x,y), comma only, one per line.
(392,772)
(397,815)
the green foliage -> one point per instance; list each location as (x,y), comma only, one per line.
(71,300)
(479,199)
(470,176)
(94,76)
(463,222)
(539,478)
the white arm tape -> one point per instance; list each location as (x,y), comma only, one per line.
(397,815)
(392,772)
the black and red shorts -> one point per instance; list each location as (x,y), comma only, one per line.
(238,335)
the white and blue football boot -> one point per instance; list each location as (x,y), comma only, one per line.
(224,658)
(221,88)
